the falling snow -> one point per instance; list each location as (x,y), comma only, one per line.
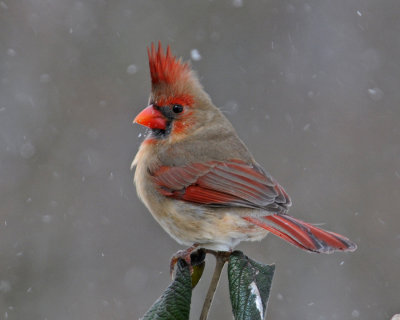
(131,69)
(375,94)
(11,52)
(47,218)
(44,78)
(237,3)
(231,107)
(5,286)
(195,55)
(355,313)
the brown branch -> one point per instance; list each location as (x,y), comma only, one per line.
(220,258)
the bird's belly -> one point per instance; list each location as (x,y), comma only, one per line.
(216,229)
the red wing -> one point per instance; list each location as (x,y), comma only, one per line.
(217,183)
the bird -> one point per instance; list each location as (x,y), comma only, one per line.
(199,180)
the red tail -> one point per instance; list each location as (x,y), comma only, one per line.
(302,234)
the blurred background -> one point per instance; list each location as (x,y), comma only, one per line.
(311,86)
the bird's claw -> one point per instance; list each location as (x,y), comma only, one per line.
(184,255)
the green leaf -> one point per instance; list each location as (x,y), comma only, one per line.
(197,273)
(198,264)
(249,286)
(174,303)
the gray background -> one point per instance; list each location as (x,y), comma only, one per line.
(313,88)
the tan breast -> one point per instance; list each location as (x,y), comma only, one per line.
(145,161)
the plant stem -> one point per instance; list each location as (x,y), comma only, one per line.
(221,257)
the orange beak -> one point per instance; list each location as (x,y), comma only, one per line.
(151,118)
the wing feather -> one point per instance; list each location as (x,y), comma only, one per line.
(217,183)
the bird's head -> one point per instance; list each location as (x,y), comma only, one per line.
(177,104)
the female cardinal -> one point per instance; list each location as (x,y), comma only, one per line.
(199,180)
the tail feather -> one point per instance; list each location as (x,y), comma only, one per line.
(275,231)
(302,234)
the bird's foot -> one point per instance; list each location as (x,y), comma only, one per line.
(184,255)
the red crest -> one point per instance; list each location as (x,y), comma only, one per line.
(165,67)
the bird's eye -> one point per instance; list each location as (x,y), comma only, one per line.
(177,108)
